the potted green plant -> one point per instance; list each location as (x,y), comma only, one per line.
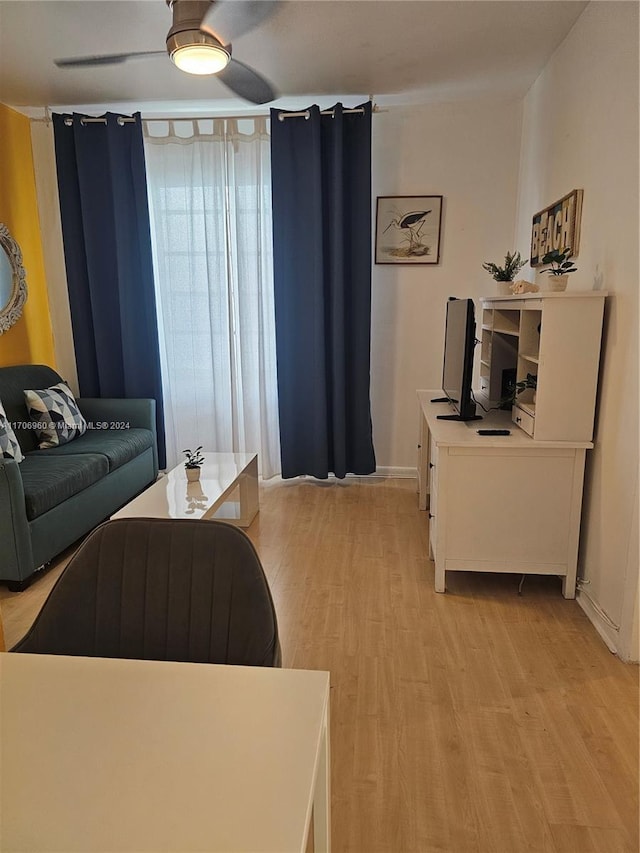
(560,268)
(505,274)
(194,462)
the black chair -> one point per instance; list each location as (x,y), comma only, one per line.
(156,589)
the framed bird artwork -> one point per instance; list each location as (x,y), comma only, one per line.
(408,229)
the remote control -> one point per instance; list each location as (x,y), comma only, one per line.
(493,431)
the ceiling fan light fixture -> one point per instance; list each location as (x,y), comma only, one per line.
(197,53)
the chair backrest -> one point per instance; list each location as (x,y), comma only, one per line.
(158,589)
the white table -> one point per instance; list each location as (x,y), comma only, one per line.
(221,475)
(125,755)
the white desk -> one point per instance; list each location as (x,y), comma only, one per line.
(124,755)
(221,475)
(498,503)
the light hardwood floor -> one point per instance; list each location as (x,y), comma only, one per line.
(479,720)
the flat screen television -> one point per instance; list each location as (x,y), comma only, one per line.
(457,370)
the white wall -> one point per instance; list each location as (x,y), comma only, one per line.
(580,130)
(468,153)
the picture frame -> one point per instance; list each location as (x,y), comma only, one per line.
(408,229)
(557,227)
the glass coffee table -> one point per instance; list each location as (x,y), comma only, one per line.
(227,490)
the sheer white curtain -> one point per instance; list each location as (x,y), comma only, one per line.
(210,200)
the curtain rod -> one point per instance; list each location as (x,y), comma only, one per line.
(127,120)
(306,114)
(98,120)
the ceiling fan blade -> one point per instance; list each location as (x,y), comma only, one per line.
(229,19)
(246,82)
(108,59)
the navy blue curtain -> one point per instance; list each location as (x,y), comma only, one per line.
(321,186)
(107,246)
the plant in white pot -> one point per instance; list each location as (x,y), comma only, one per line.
(194,462)
(560,268)
(505,274)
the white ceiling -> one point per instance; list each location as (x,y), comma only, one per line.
(407,49)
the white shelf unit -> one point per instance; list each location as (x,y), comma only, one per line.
(556,338)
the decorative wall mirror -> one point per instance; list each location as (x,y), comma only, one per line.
(13,285)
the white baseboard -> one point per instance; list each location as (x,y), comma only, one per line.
(608,634)
(401,473)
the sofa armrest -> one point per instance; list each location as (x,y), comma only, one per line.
(140,413)
(16,555)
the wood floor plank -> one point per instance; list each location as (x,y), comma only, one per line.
(588,839)
(479,721)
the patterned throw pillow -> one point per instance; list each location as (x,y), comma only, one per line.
(55,415)
(9,447)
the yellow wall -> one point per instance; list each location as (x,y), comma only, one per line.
(30,340)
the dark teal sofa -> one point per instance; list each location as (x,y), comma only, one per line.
(55,496)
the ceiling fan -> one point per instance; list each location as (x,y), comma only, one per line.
(199,42)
